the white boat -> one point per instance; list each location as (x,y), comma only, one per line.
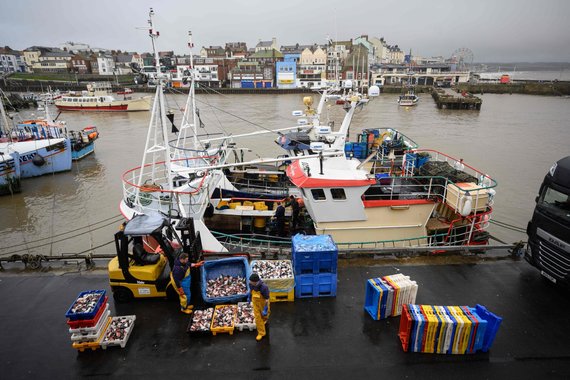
(99,98)
(408,99)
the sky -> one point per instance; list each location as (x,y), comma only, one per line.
(494,30)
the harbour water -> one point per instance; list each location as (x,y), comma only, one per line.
(514,138)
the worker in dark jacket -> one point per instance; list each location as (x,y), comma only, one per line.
(180,280)
(259,295)
(280,219)
(295,209)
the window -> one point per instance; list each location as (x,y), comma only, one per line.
(338,194)
(318,194)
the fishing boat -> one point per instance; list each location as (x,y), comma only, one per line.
(99,98)
(408,99)
(37,157)
(82,142)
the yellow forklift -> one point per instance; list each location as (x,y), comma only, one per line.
(147,246)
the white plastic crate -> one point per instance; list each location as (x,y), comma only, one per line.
(244,326)
(120,342)
(92,336)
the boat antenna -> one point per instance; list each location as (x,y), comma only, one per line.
(156,147)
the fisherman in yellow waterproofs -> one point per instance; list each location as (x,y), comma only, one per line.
(259,296)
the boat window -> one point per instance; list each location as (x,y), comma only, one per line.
(338,194)
(318,194)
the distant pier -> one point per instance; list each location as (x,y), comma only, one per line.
(446,98)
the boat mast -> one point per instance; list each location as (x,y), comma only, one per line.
(156,147)
(5,127)
(190,105)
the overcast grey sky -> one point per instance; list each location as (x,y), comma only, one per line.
(495,30)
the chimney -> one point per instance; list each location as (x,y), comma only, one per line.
(274,41)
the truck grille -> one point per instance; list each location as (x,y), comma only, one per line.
(553,259)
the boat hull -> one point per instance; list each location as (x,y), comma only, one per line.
(83,152)
(10,174)
(56,154)
(142,104)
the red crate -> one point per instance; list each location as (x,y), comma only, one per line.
(89,322)
(405,328)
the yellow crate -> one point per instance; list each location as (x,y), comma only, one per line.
(233,205)
(282,296)
(92,345)
(229,329)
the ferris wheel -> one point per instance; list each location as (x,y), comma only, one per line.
(463,57)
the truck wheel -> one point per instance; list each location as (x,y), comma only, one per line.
(122,295)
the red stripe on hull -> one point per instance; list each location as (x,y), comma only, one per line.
(122,107)
(396,202)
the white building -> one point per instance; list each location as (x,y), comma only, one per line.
(106,64)
(267,45)
(75,47)
(11,61)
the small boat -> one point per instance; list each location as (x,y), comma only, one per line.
(83,142)
(99,98)
(408,99)
(39,157)
(125,91)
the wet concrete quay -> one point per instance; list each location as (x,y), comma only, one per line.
(311,338)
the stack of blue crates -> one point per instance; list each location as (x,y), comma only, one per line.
(315,261)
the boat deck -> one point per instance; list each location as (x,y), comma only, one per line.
(327,338)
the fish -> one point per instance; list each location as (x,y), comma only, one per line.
(201,320)
(272,269)
(86,303)
(225,286)
(224,316)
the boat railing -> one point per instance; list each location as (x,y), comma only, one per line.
(155,193)
(484,181)
(258,186)
(404,188)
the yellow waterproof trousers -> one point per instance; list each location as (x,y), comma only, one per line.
(185,283)
(258,304)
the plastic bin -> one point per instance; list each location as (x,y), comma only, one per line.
(277,284)
(314,254)
(80,323)
(235,266)
(244,326)
(223,329)
(405,329)
(92,313)
(493,323)
(118,342)
(316,285)
(282,296)
(105,312)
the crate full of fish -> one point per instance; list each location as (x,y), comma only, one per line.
(277,274)
(82,335)
(89,323)
(225,280)
(86,305)
(245,319)
(119,331)
(94,343)
(201,321)
(314,254)
(224,319)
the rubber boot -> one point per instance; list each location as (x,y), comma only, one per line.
(259,337)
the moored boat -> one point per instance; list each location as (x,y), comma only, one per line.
(99,98)
(408,99)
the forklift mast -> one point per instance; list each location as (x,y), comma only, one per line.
(191,242)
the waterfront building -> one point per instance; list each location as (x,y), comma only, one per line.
(123,63)
(80,64)
(75,47)
(250,74)
(355,66)
(11,61)
(236,50)
(266,45)
(364,41)
(415,74)
(286,73)
(47,59)
(213,52)
(337,51)
(312,67)
(106,64)
(395,55)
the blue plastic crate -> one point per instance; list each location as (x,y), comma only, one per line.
(314,254)
(493,323)
(234,266)
(376,300)
(90,315)
(315,285)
